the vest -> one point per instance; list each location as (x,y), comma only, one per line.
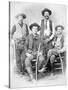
(33,42)
(20,32)
(59,42)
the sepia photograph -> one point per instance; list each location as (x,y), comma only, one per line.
(37,44)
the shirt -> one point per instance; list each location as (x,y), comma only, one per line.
(47,30)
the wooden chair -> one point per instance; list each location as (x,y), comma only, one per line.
(58,63)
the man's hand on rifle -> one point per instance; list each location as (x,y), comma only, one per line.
(39,53)
(46,41)
(29,52)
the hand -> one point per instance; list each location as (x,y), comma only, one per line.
(49,53)
(53,43)
(28,54)
(41,40)
(29,51)
(46,41)
(58,51)
(39,53)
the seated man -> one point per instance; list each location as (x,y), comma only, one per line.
(58,44)
(32,44)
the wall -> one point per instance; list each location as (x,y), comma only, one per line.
(33,12)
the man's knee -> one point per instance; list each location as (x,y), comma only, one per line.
(50,52)
(52,58)
(23,57)
(27,62)
(41,58)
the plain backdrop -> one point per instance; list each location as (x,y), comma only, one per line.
(33,12)
(4,34)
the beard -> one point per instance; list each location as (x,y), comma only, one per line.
(20,22)
(47,17)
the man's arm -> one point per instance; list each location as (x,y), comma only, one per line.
(63,49)
(27,32)
(42,27)
(53,32)
(13,30)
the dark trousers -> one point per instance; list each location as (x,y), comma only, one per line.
(18,60)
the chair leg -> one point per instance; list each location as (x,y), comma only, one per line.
(61,63)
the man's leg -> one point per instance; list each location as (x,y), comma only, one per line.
(23,57)
(18,60)
(52,58)
(41,61)
(45,61)
(28,66)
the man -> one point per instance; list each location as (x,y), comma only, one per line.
(47,26)
(18,34)
(47,31)
(33,45)
(58,45)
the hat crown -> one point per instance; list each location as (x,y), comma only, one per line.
(34,24)
(46,10)
(21,14)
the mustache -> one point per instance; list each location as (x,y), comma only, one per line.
(20,21)
(46,16)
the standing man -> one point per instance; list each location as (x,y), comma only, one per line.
(18,34)
(47,31)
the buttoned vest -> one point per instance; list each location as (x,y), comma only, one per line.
(20,32)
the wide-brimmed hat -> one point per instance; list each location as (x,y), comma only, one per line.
(21,14)
(59,26)
(34,24)
(46,10)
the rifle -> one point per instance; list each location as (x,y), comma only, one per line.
(37,60)
(40,43)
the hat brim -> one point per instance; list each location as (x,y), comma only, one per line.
(46,10)
(23,15)
(59,26)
